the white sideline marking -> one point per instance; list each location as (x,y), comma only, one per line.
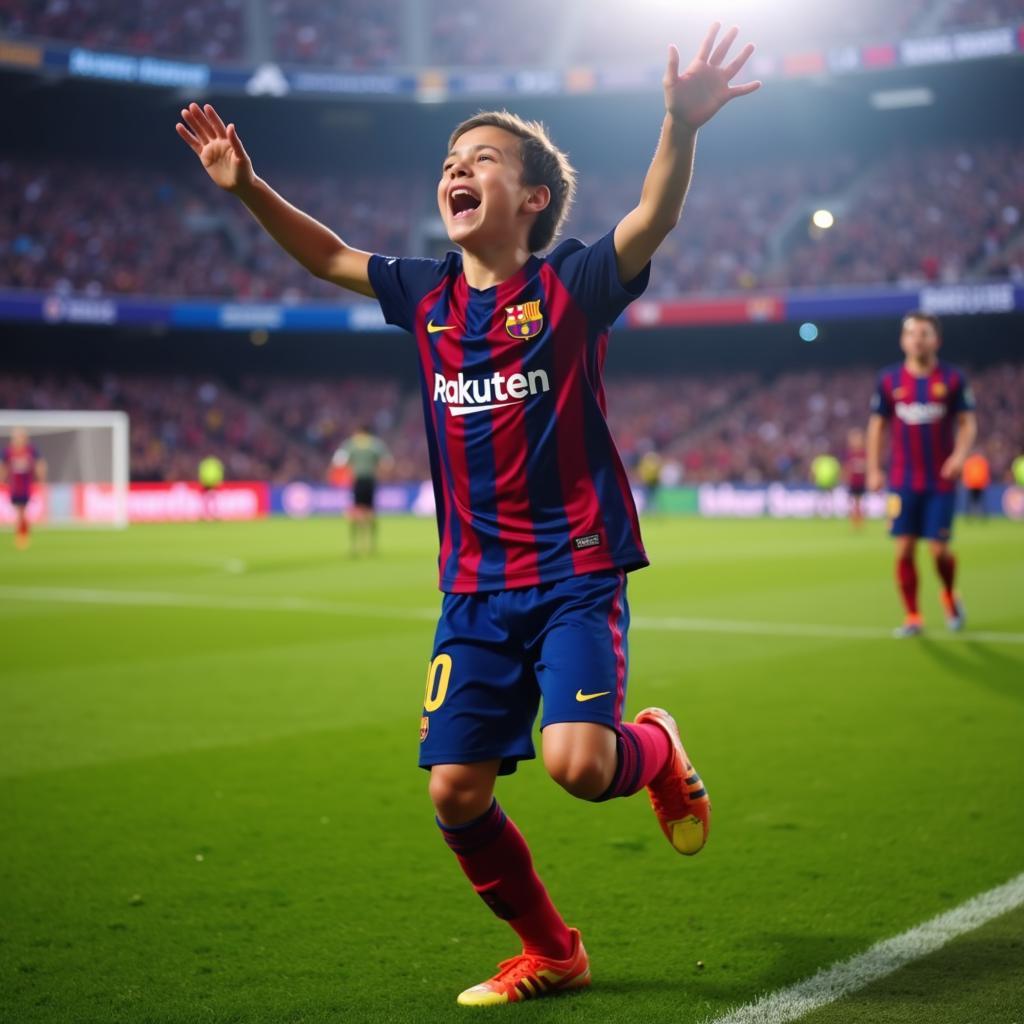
(167,599)
(883,958)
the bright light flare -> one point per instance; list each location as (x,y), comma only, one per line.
(823,219)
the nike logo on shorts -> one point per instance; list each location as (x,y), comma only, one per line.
(581,696)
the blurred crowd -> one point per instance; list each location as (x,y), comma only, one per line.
(354,35)
(737,427)
(211,30)
(923,218)
(943,214)
(91,229)
(368,34)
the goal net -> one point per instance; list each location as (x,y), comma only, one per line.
(86,455)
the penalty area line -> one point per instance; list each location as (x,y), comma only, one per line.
(229,602)
(848,976)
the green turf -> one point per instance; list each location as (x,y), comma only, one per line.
(211,810)
(977,979)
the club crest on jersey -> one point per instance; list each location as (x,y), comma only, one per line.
(525,320)
(938,389)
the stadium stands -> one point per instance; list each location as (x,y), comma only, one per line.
(737,427)
(93,229)
(354,35)
(368,34)
(948,214)
(201,29)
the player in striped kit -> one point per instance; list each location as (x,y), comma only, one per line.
(930,411)
(536,519)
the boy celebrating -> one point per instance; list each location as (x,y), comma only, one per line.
(535,516)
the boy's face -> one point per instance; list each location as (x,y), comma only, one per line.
(481,194)
(919,340)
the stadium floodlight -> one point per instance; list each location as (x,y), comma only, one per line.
(823,219)
(86,457)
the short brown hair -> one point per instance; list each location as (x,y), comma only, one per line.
(928,318)
(543,164)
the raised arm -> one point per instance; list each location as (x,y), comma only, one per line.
(691,100)
(315,246)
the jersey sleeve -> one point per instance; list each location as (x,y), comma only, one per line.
(962,399)
(400,283)
(590,274)
(881,400)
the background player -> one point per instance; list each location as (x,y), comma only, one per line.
(365,455)
(930,409)
(535,516)
(20,468)
(977,479)
(855,469)
(211,479)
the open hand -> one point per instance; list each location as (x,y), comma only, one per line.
(696,95)
(218,147)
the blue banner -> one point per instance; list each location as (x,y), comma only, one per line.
(795,306)
(439,84)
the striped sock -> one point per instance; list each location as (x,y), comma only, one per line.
(497,861)
(643,750)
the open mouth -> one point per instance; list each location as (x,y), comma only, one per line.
(462,202)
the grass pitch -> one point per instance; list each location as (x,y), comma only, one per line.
(211,810)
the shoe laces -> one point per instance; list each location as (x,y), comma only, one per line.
(516,968)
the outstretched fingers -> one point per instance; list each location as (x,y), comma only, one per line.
(672,71)
(192,116)
(723,47)
(194,144)
(236,143)
(709,40)
(215,120)
(743,90)
(733,68)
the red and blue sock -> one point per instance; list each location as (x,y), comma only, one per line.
(495,858)
(945,566)
(906,578)
(643,751)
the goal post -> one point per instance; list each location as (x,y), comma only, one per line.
(86,455)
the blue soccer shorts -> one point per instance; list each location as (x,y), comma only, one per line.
(497,654)
(926,514)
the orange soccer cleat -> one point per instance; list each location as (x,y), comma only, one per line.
(913,625)
(529,977)
(677,794)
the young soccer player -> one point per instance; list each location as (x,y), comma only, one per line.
(931,412)
(20,468)
(536,520)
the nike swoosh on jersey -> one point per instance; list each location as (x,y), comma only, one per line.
(581,696)
(433,328)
